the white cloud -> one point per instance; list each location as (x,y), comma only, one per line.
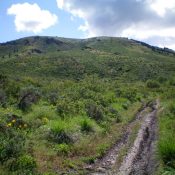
(137,19)
(161,7)
(31,18)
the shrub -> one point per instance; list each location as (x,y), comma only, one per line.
(3,80)
(130,94)
(26,162)
(162,79)
(2,98)
(114,114)
(64,108)
(28,96)
(94,112)
(59,133)
(152,84)
(167,151)
(12,143)
(172,107)
(101,149)
(52,98)
(172,81)
(86,125)
(62,149)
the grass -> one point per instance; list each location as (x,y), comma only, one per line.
(166,143)
(106,74)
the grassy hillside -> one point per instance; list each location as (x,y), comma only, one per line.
(117,58)
(58,95)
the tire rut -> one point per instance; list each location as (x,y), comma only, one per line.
(140,159)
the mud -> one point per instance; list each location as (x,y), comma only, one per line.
(140,159)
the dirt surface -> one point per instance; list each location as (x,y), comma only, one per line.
(140,158)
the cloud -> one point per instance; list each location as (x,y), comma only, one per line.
(31,18)
(138,19)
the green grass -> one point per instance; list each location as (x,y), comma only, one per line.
(79,96)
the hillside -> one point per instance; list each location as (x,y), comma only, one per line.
(86,106)
(116,58)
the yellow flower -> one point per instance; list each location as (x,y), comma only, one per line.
(9,124)
(13,121)
(45,120)
(25,125)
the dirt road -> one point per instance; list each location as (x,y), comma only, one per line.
(140,158)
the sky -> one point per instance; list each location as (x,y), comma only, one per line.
(151,21)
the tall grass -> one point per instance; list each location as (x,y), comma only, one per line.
(166,143)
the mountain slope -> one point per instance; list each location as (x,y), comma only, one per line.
(72,58)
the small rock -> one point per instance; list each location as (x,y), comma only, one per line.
(100,169)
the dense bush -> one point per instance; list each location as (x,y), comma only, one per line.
(152,84)
(60,133)
(172,81)
(172,107)
(128,93)
(3,98)
(12,143)
(62,149)
(28,96)
(167,151)
(95,112)
(86,125)
(26,163)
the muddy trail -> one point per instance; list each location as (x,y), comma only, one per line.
(139,158)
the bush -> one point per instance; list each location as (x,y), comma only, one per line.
(86,125)
(59,133)
(167,151)
(52,98)
(64,108)
(172,81)
(28,96)
(130,94)
(172,108)
(152,84)
(114,114)
(3,81)
(26,162)
(12,143)
(101,149)
(3,98)
(62,149)
(94,112)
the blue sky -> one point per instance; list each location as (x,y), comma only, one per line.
(65,27)
(151,21)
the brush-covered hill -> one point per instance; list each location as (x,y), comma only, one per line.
(66,105)
(116,58)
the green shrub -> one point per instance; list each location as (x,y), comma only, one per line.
(52,97)
(12,143)
(60,132)
(114,114)
(62,149)
(28,96)
(172,81)
(86,125)
(172,107)
(26,162)
(130,94)
(101,149)
(152,84)
(65,108)
(3,98)
(95,112)
(161,79)
(167,151)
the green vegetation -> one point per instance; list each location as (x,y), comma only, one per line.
(65,102)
